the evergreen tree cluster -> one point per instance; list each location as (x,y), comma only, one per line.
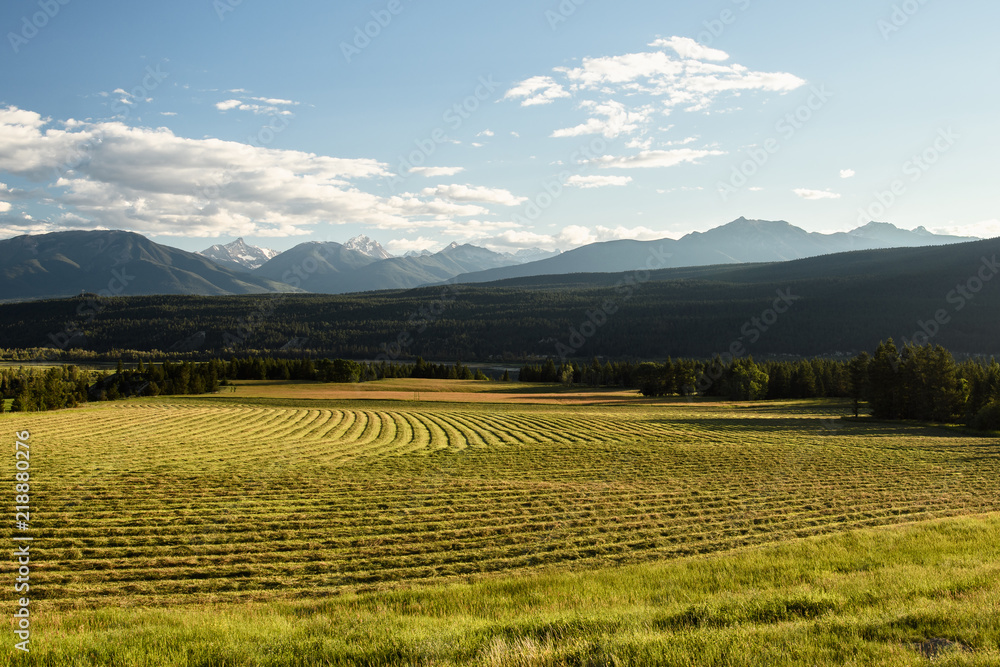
(36,390)
(915,382)
(741,379)
(68,386)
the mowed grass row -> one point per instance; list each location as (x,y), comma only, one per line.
(167,502)
(920,594)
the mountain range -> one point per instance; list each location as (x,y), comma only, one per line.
(66,263)
(739,242)
(113,263)
(832,305)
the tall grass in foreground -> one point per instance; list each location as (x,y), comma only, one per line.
(916,594)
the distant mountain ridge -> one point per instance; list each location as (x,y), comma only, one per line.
(113,263)
(739,242)
(334,268)
(239,255)
(66,263)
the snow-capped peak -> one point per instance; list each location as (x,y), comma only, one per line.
(367,247)
(241,253)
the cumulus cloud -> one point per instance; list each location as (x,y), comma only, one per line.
(657,159)
(598,181)
(520,239)
(258,105)
(571,236)
(614,120)
(536,91)
(679,74)
(816,194)
(153,181)
(403,246)
(688,48)
(469,193)
(659,74)
(433,172)
(477,230)
(847,173)
(986,229)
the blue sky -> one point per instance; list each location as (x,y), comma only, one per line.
(510,125)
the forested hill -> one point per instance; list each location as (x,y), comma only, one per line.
(845,303)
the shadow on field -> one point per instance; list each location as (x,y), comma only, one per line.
(851,426)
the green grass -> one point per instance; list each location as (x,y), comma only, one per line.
(440,533)
(881,596)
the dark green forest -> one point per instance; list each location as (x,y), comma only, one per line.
(654,321)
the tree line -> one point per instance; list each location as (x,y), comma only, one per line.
(912,382)
(37,390)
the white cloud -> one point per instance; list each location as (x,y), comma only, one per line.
(689,48)
(680,75)
(477,229)
(518,239)
(258,105)
(155,182)
(536,90)
(486,133)
(469,193)
(659,74)
(986,229)
(168,113)
(847,173)
(403,246)
(568,237)
(274,101)
(575,235)
(657,159)
(433,172)
(5,206)
(816,194)
(617,121)
(598,181)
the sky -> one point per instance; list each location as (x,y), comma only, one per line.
(525,124)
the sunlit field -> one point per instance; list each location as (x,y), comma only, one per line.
(291,524)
